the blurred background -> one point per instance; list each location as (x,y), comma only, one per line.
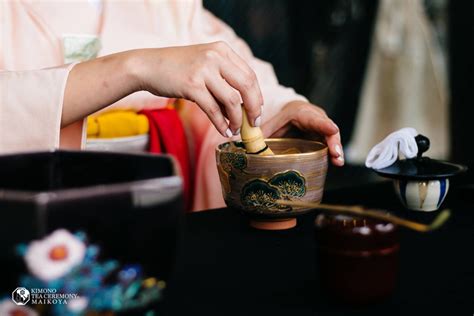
(374,66)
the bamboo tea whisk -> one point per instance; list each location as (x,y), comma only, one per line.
(252,138)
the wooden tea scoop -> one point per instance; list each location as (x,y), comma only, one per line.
(357,210)
(252,138)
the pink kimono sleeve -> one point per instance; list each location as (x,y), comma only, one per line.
(275,95)
(30,109)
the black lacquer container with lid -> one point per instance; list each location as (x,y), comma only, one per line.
(358,258)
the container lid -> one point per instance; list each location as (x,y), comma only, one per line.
(421,168)
(350,233)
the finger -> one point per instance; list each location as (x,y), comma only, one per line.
(326,127)
(320,111)
(229,99)
(210,106)
(335,149)
(310,109)
(316,123)
(244,66)
(247,85)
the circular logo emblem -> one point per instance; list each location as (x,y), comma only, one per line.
(20,296)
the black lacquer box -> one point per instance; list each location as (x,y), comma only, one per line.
(129,204)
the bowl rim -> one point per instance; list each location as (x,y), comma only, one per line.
(320,152)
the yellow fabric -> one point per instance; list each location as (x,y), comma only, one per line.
(117,124)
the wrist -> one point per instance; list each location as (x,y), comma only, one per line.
(134,68)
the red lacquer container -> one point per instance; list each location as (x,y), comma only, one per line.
(358,258)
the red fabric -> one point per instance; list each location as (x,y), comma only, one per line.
(167,136)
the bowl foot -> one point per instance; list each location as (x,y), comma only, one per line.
(274,224)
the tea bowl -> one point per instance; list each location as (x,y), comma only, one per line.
(253,184)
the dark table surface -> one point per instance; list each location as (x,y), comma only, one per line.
(224,267)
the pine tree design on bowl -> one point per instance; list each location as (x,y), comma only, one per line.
(290,184)
(230,162)
(234,160)
(261,195)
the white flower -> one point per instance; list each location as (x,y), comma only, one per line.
(78,304)
(55,255)
(8,308)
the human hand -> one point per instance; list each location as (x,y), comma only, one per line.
(211,75)
(310,120)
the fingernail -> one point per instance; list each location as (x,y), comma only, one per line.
(337,127)
(338,149)
(258,121)
(228,132)
(237,132)
(340,153)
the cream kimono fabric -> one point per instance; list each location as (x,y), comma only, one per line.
(405,83)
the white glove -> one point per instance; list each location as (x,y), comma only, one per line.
(386,152)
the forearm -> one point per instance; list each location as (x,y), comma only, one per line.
(95,84)
(208,74)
